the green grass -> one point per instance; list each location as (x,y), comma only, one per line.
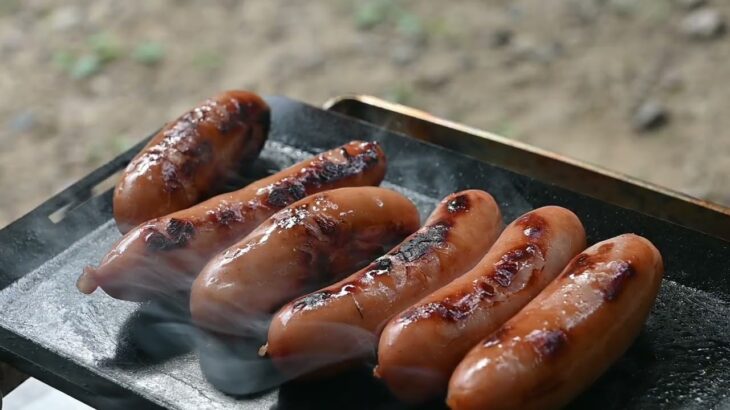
(86,66)
(149,53)
(100,49)
(105,47)
(389,13)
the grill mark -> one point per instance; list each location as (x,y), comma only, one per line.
(285,193)
(458,204)
(422,242)
(585,261)
(179,232)
(454,308)
(155,241)
(312,301)
(327,225)
(382,264)
(534,226)
(547,343)
(183,166)
(622,272)
(225,217)
(184,136)
(512,262)
(460,306)
(325,171)
(321,171)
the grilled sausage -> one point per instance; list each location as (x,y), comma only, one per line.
(187,159)
(164,255)
(313,241)
(337,326)
(568,335)
(420,347)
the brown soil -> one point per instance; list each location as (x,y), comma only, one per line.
(567,79)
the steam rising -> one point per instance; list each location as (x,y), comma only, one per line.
(154,350)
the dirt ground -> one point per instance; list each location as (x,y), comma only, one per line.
(81,80)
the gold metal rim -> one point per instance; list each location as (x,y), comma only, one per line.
(425,116)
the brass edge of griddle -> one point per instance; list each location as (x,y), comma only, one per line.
(591,180)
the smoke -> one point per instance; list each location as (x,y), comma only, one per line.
(430,175)
(153,346)
(154,333)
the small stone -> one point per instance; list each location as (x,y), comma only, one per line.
(703,24)
(501,37)
(691,4)
(649,116)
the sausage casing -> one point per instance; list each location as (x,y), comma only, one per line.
(420,347)
(337,326)
(312,242)
(187,160)
(568,335)
(165,254)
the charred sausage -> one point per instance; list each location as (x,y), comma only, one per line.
(568,335)
(306,245)
(185,161)
(339,325)
(163,256)
(420,347)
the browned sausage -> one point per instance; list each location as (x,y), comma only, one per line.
(568,335)
(340,324)
(421,347)
(164,255)
(312,242)
(186,161)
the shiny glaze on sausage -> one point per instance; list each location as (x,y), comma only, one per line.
(333,328)
(312,242)
(164,255)
(566,337)
(190,157)
(420,347)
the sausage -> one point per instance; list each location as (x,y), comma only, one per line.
(185,162)
(566,337)
(339,325)
(420,347)
(314,241)
(164,255)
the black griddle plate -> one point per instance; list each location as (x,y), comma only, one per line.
(111,353)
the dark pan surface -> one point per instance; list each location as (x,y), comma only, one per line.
(111,353)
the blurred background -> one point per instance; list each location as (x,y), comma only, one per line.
(635,86)
(639,87)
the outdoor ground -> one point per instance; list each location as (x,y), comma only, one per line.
(81,81)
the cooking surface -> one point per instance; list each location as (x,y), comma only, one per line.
(110,352)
